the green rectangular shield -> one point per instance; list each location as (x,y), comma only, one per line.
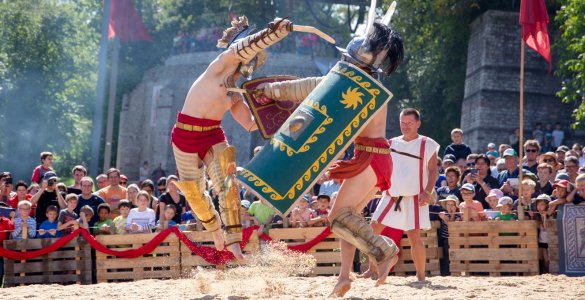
(314,135)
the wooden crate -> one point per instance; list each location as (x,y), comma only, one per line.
(553,246)
(493,248)
(405,264)
(326,252)
(68,264)
(162,263)
(189,260)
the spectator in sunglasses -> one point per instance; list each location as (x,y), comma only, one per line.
(531,152)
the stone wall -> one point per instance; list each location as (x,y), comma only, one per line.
(149,111)
(490,110)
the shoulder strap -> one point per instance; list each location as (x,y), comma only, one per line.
(421,163)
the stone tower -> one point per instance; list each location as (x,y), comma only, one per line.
(490,110)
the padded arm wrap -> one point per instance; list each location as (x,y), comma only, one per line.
(293,90)
(249,46)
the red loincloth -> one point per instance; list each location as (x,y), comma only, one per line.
(381,163)
(196,141)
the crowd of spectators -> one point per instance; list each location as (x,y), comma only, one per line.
(205,39)
(471,187)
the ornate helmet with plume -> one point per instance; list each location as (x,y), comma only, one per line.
(240,29)
(381,48)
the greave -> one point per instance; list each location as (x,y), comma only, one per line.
(192,185)
(221,170)
(356,231)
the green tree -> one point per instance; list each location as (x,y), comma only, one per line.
(571,52)
(49,53)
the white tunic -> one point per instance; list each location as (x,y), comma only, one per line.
(408,183)
(405,180)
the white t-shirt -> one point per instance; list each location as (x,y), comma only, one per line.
(144,219)
(405,169)
(558,137)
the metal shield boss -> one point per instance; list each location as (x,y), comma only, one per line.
(314,135)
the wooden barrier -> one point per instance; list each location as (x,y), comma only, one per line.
(190,260)
(163,262)
(476,248)
(69,264)
(553,246)
(326,252)
(405,265)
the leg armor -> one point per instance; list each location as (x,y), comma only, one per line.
(291,90)
(222,172)
(192,185)
(354,229)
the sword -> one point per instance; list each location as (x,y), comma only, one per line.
(311,29)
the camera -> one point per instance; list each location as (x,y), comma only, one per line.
(51,182)
(8,180)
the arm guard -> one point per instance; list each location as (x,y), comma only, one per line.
(247,48)
(291,90)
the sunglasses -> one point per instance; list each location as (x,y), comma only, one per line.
(548,160)
(161,190)
(470,164)
(123,182)
(531,150)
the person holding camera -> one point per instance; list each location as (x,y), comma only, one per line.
(47,195)
(481,179)
(6,187)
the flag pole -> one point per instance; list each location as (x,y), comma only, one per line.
(521,137)
(111,104)
(98,114)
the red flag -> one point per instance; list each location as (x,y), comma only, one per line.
(126,23)
(534,21)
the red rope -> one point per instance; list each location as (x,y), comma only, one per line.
(305,246)
(209,254)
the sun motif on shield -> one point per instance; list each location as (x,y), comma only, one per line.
(351,98)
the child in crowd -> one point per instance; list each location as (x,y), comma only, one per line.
(105,225)
(491,150)
(541,216)
(472,209)
(170,210)
(141,219)
(85,215)
(247,220)
(301,215)
(577,196)
(319,215)
(68,217)
(561,190)
(190,222)
(450,214)
(523,204)
(120,221)
(492,199)
(23,221)
(544,172)
(48,229)
(505,214)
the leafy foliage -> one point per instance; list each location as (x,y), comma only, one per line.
(48,56)
(571,51)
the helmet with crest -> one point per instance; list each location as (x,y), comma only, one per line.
(381,49)
(241,29)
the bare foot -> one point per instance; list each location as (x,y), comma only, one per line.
(218,239)
(343,285)
(384,268)
(235,249)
